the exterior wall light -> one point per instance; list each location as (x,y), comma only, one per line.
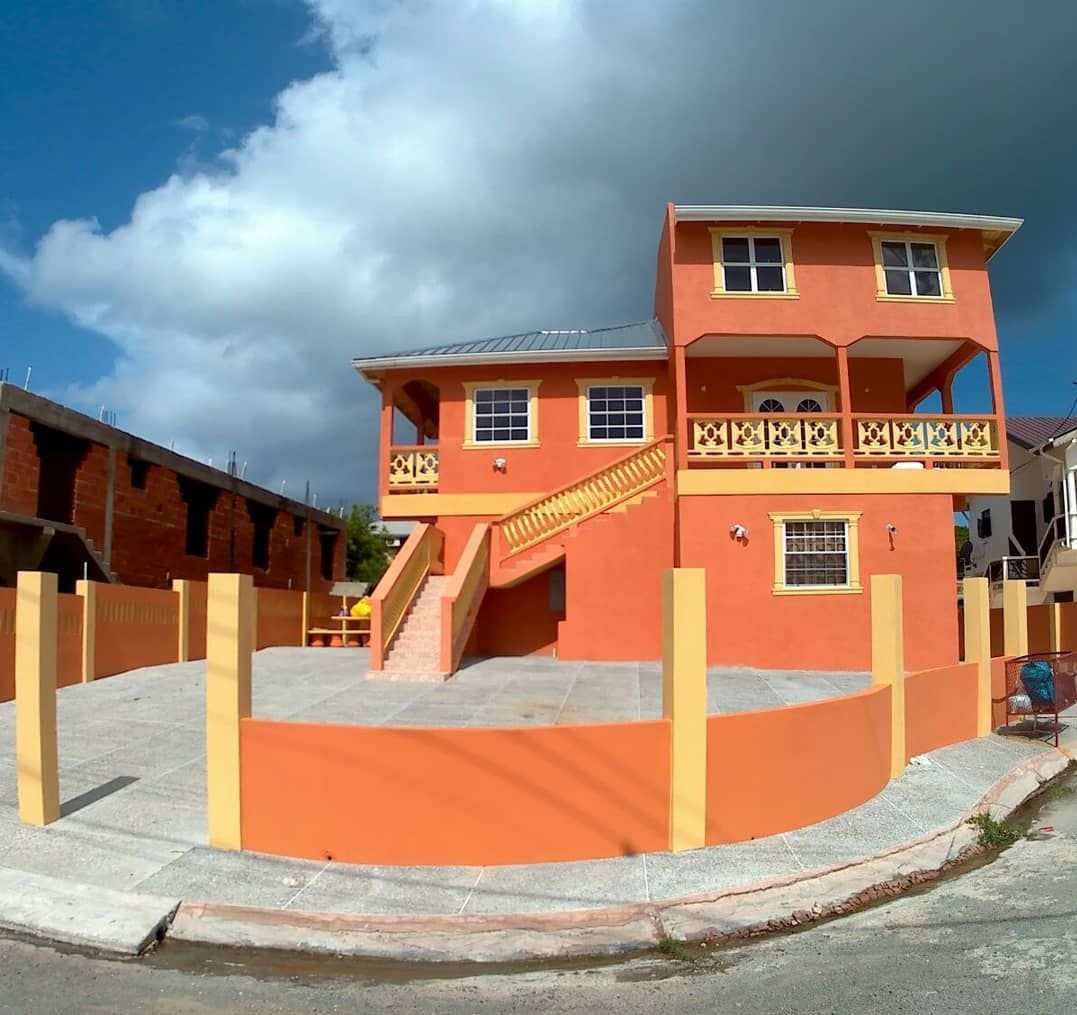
(891,528)
(500,465)
(738,531)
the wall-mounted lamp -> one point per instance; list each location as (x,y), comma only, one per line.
(891,528)
(500,465)
(738,531)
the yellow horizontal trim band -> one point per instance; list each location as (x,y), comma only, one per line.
(786,295)
(789,591)
(754,481)
(900,298)
(428,505)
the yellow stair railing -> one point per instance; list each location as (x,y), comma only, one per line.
(572,504)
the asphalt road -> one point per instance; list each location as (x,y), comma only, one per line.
(999,939)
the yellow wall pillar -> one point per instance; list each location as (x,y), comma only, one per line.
(35,698)
(1015,617)
(888,658)
(88,591)
(228,700)
(306,620)
(1054,617)
(978,646)
(182,588)
(684,702)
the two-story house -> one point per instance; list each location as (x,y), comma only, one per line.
(762,426)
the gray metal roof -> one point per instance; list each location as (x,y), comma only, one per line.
(643,340)
(996,229)
(1033,432)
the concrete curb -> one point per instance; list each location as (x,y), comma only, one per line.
(76,913)
(740,912)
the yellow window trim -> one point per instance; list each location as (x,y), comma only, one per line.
(785,235)
(939,239)
(469,413)
(583,383)
(784,384)
(852,520)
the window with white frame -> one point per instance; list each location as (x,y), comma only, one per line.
(616,413)
(502,415)
(753,264)
(911,268)
(816,553)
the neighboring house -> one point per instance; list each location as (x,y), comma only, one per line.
(80,497)
(395,533)
(760,428)
(1032,533)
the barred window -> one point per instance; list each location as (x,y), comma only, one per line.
(816,554)
(616,413)
(502,415)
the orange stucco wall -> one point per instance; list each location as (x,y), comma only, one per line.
(517,621)
(614,566)
(280,617)
(998,689)
(1068,623)
(940,707)
(7,644)
(134,627)
(558,459)
(780,769)
(69,609)
(749,625)
(1039,628)
(196,621)
(454,796)
(835,275)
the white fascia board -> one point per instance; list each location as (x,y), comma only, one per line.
(368,366)
(775,213)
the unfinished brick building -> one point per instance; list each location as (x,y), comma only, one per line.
(78,496)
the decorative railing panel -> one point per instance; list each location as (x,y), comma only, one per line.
(598,492)
(766,435)
(926,437)
(412,468)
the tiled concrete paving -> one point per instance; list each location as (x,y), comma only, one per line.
(133,786)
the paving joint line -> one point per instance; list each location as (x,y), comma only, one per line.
(471,891)
(303,888)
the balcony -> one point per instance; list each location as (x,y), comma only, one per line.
(877,440)
(413,468)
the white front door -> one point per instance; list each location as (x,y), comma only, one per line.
(792,401)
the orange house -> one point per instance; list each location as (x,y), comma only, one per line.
(763,426)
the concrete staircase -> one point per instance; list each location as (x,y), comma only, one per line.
(415,651)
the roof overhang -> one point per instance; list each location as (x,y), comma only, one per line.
(996,230)
(371,367)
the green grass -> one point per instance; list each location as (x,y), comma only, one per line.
(994,834)
(1060,792)
(674,949)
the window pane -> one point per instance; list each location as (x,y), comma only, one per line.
(924,256)
(771,405)
(596,393)
(484,395)
(895,255)
(738,280)
(927,283)
(768,251)
(809,405)
(599,433)
(815,553)
(770,280)
(735,249)
(897,283)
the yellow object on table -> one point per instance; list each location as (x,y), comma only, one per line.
(362,608)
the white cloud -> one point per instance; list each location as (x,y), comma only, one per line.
(199,124)
(485,167)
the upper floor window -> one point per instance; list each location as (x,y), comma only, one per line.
(616,410)
(911,266)
(501,414)
(753,262)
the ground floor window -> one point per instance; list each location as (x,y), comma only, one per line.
(816,552)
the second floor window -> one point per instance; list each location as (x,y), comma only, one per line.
(753,264)
(502,415)
(911,268)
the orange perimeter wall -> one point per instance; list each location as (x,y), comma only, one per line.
(384,795)
(280,617)
(1039,628)
(779,769)
(940,707)
(1068,618)
(998,690)
(134,627)
(196,621)
(68,640)
(7,644)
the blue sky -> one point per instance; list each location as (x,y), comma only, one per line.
(207,208)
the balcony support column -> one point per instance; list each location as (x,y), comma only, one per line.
(385,436)
(681,390)
(946,392)
(998,409)
(845,392)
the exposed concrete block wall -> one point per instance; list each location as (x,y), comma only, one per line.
(141,531)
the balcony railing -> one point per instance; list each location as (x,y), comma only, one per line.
(1026,569)
(765,435)
(819,437)
(413,467)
